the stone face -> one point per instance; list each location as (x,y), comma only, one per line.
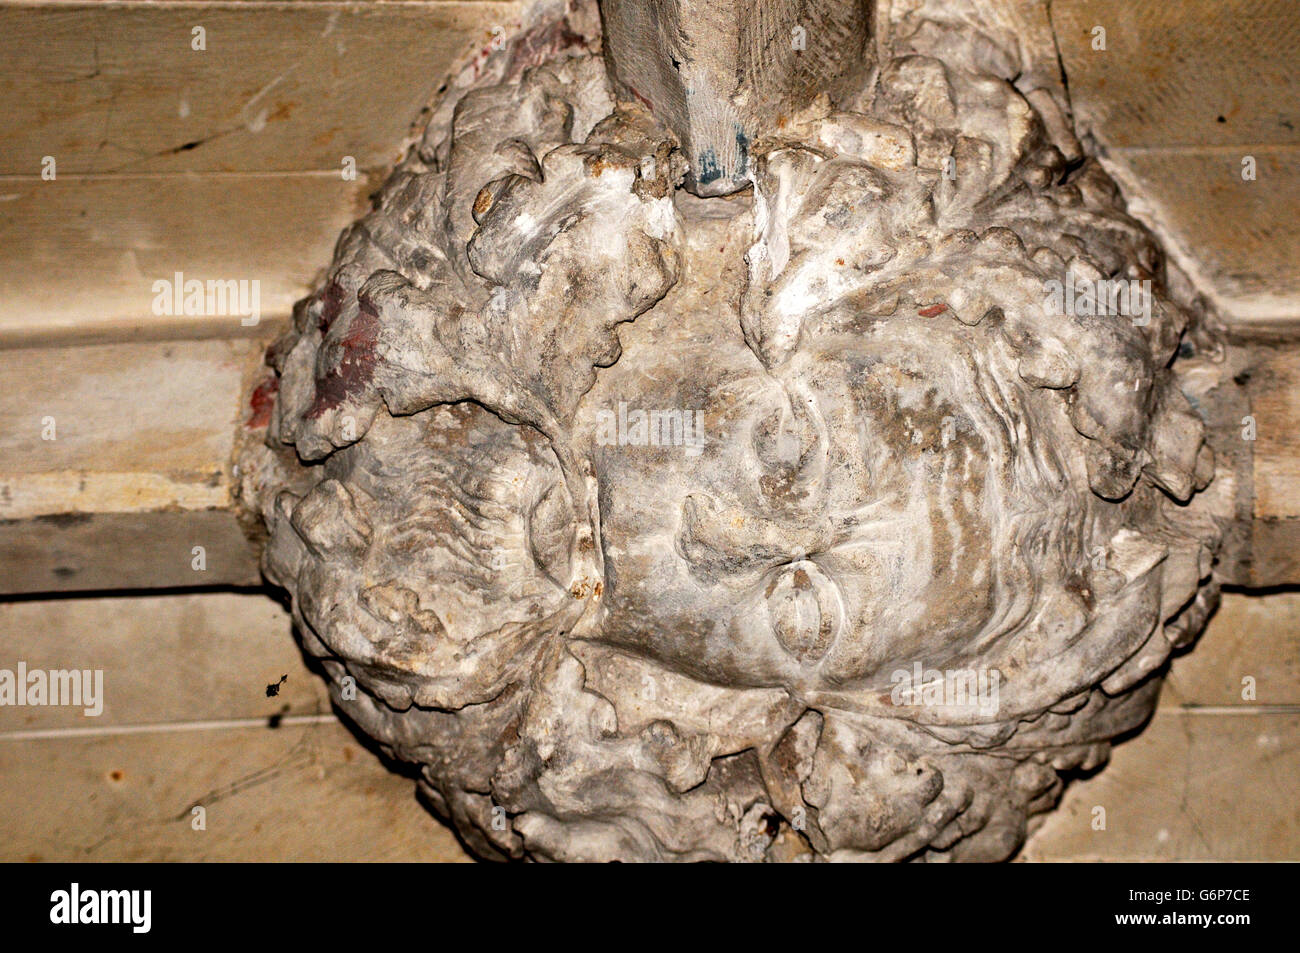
(830,520)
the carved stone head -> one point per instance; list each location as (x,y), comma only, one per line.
(832,518)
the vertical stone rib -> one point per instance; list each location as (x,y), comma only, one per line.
(719,73)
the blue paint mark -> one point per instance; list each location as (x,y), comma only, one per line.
(708,169)
(707,163)
(742,152)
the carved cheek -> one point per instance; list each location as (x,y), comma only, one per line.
(910,491)
(918,585)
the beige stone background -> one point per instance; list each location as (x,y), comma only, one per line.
(226,163)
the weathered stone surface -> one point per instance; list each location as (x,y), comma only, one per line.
(663,527)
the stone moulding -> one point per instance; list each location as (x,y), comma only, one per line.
(833,517)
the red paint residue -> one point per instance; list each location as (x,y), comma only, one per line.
(331,300)
(933,311)
(261,402)
(529,49)
(544,43)
(352,371)
(641,99)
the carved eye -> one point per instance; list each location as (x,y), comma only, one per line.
(805,610)
(550,534)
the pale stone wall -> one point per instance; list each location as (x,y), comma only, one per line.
(185,722)
(258,139)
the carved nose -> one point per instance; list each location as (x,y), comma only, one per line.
(791,444)
(805,610)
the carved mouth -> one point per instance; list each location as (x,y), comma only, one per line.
(805,609)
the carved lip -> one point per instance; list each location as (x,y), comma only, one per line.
(805,609)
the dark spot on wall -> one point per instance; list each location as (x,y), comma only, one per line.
(65,520)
